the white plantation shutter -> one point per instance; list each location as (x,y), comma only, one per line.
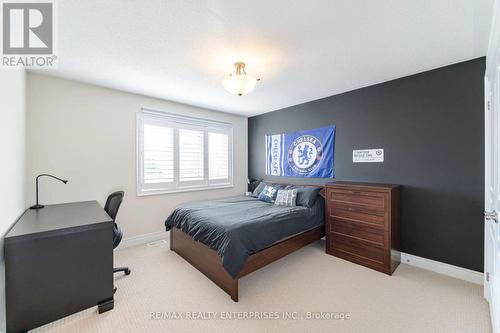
(191,155)
(158,154)
(179,153)
(218,156)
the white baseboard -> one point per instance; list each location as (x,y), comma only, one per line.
(442,268)
(142,239)
(409,259)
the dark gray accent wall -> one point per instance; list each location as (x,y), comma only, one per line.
(431,126)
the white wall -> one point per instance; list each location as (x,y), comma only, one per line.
(86,134)
(12,160)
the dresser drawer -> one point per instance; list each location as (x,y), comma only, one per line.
(375,235)
(358,213)
(359,248)
(375,200)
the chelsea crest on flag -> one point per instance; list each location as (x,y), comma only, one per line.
(301,154)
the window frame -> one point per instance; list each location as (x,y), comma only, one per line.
(176,121)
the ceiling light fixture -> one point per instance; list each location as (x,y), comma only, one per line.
(239,83)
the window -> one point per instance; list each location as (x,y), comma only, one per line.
(179,153)
(218,155)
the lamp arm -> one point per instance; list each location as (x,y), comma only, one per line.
(37,206)
(47,175)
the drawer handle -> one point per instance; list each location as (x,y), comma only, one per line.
(353,192)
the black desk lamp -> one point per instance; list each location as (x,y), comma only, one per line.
(38,206)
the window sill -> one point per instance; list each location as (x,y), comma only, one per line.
(184,189)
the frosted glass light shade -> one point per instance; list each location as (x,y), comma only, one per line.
(239,84)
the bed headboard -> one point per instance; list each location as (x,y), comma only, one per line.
(322,192)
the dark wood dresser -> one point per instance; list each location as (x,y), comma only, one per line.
(362,224)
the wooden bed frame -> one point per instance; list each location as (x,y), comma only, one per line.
(209,263)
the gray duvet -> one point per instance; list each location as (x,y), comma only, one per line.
(237,227)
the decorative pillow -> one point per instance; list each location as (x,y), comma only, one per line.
(286,197)
(306,195)
(258,189)
(269,193)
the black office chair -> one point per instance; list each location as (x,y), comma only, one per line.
(112,205)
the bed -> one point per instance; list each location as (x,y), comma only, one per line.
(229,238)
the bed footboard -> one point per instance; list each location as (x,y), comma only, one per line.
(209,263)
(205,260)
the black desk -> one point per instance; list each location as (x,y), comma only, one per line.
(58,261)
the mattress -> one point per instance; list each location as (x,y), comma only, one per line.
(240,226)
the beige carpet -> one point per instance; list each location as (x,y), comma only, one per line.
(412,300)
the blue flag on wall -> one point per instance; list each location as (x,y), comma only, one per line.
(301,154)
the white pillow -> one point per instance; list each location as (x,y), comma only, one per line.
(286,198)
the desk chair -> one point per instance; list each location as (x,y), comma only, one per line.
(112,205)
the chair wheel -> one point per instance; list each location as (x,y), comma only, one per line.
(127,271)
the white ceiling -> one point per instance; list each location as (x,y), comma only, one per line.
(303,50)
